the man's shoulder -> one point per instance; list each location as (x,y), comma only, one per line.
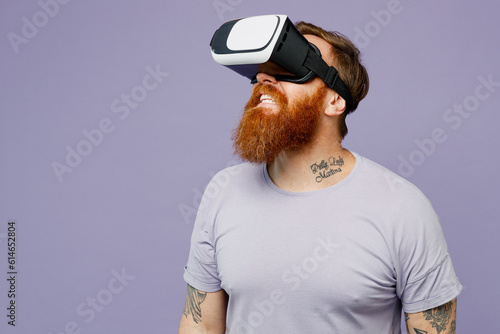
(387,182)
(399,199)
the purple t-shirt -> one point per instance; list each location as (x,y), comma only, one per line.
(344,259)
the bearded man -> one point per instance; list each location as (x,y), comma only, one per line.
(307,236)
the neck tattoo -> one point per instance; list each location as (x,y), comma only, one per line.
(327,168)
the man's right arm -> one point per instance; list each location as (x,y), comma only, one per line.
(204,312)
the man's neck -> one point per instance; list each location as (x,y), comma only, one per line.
(312,168)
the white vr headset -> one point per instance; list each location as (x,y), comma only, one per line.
(242,45)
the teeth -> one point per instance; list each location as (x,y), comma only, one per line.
(266,99)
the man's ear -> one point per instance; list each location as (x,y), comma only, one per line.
(336,105)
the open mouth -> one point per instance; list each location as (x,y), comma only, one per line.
(264,98)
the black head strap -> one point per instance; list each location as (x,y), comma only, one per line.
(330,76)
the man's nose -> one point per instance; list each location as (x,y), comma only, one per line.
(265,78)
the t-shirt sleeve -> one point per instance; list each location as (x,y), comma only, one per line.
(426,278)
(201,269)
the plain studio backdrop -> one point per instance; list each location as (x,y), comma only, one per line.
(114,118)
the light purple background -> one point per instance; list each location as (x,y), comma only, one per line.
(120,208)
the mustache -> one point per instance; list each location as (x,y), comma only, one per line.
(263,89)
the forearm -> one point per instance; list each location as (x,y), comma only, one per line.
(204,312)
(439,320)
(187,326)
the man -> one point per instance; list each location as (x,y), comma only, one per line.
(309,237)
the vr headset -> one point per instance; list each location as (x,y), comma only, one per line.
(242,45)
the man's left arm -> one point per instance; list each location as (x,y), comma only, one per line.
(439,320)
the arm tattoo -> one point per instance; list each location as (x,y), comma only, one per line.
(419,331)
(193,302)
(453,326)
(439,316)
(407,317)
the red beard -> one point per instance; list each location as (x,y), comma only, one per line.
(262,134)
